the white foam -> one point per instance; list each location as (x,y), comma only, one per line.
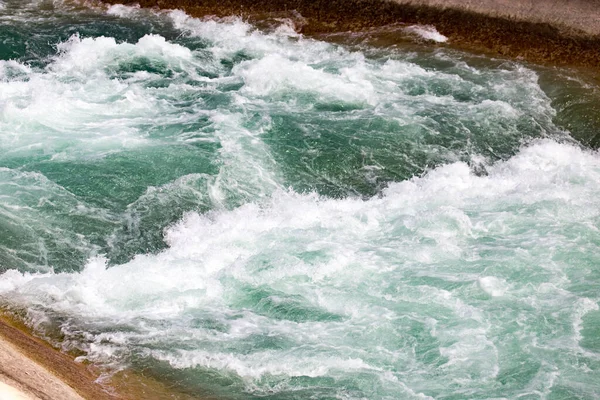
(123,11)
(274,74)
(262,364)
(493,286)
(75,104)
(583,307)
(212,256)
(366,280)
(427,32)
(10,69)
(94,55)
(81,108)
(472,352)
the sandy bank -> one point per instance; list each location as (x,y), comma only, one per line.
(562,32)
(21,378)
(31,369)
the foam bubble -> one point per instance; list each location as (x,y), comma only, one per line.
(427,32)
(12,69)
(582,307)
(86,56)
(273,74)
(493,286)
(258,365)
(123,11)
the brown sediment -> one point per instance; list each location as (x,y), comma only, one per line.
(39,371)
(514,33)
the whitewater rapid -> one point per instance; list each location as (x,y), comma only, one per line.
(257,213)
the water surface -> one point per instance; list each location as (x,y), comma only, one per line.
(246,212)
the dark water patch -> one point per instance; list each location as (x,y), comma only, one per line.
(118,180)
(575,96)
(281,306)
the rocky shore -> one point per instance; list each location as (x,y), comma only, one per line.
(551,31)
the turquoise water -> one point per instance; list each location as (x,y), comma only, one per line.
(252,213)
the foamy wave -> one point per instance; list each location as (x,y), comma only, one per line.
(123,11)
(427,32)
(334,260)
(436,282)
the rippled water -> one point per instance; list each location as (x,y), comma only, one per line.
(253,213)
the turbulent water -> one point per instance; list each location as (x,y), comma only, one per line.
(246,212)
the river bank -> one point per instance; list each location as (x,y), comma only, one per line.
(546,32)
(34,370)
(31,369)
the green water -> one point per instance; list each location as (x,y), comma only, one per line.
(252,213)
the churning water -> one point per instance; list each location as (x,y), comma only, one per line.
(253,213)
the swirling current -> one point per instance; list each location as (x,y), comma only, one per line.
(247,212)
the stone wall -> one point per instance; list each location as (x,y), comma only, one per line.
(578,15)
